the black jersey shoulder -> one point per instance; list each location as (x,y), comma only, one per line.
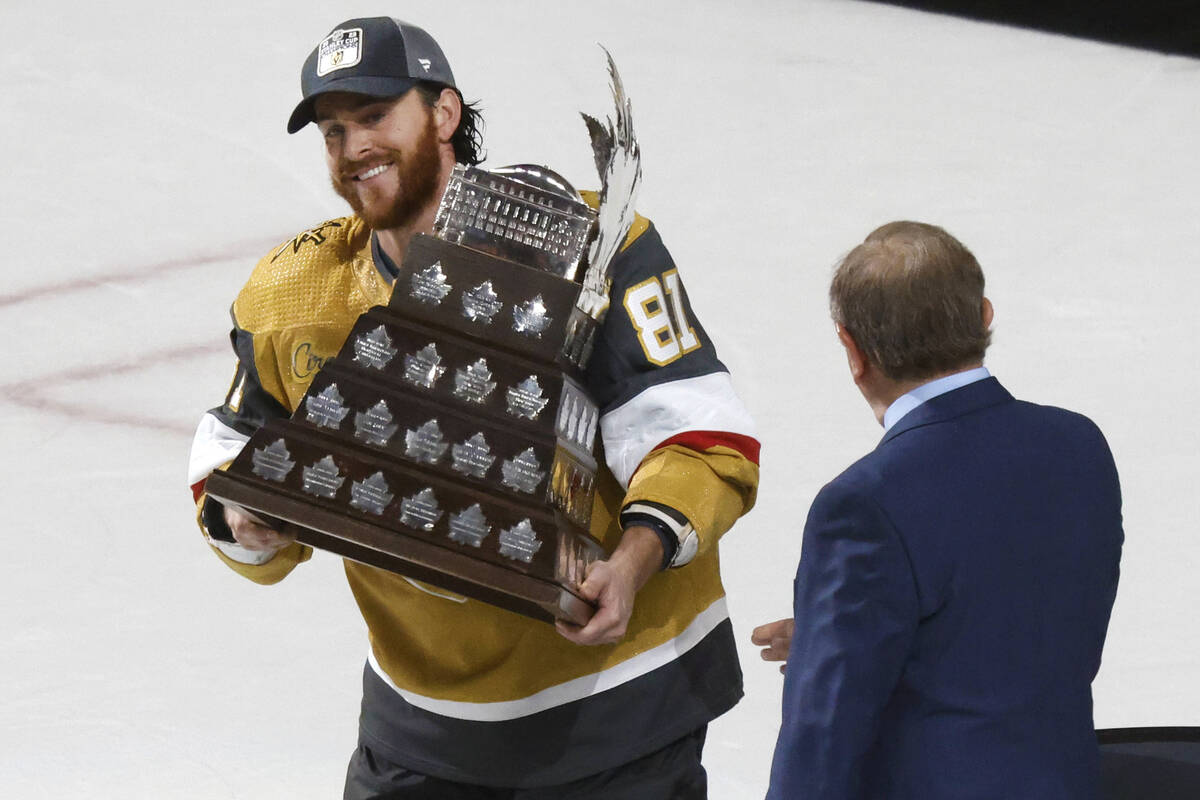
(646,293)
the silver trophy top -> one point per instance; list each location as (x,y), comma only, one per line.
(525,213)
(532,215)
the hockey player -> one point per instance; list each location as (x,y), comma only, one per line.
(460,698)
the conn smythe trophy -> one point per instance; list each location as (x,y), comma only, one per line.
(451,439)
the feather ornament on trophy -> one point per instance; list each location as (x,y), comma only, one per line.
(619,162)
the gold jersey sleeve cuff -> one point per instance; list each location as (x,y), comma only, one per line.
(710,488)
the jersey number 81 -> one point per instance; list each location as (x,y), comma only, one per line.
(657,315)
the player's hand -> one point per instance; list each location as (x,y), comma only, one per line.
(775,638)
(252,534)
(613,584)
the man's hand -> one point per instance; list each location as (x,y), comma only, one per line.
(252,534)
(775,638)
(612,586)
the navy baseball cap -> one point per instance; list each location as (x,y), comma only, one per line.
(377,56)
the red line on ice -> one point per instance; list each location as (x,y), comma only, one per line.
(137,274)
(33,393)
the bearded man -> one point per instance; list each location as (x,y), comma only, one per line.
(460,698)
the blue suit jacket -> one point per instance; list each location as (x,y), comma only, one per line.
(952,599)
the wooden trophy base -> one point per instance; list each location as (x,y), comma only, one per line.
(396,551)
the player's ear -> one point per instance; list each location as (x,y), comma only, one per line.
(447,112)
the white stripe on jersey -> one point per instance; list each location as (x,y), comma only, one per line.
(572,690)
(705,403)
(215,444)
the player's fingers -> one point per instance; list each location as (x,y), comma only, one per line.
(582,636)
(602,628)
(598,576)
(259,537)
(605,627)
(247,526)
(275,540)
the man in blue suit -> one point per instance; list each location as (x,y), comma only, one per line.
(955,584)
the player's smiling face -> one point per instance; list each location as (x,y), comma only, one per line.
(382,154)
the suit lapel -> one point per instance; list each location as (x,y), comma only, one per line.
(956,403)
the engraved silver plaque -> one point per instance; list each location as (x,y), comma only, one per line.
(577,417)
(371,495)
(579,421)
(424,367)
(589,431)
(522,473)
(375,425)
(374,349)
(429,285)
(526,398)
(323,478)
(565,413)
(421,510)
(326,409)
(530,317)
(426,444)
(520,542)
(474,384)
(273,462)
(481,303)
(469,526)
(473,457)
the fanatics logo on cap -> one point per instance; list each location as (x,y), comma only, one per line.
(425,62)
(341,49)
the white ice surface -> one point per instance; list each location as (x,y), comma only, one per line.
(145,168)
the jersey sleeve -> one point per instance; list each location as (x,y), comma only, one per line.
(674,431)
(220,436)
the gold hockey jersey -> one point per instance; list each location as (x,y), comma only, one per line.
(675,436)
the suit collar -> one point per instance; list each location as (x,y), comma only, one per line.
(969,398)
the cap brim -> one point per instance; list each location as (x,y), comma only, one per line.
(354,84)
